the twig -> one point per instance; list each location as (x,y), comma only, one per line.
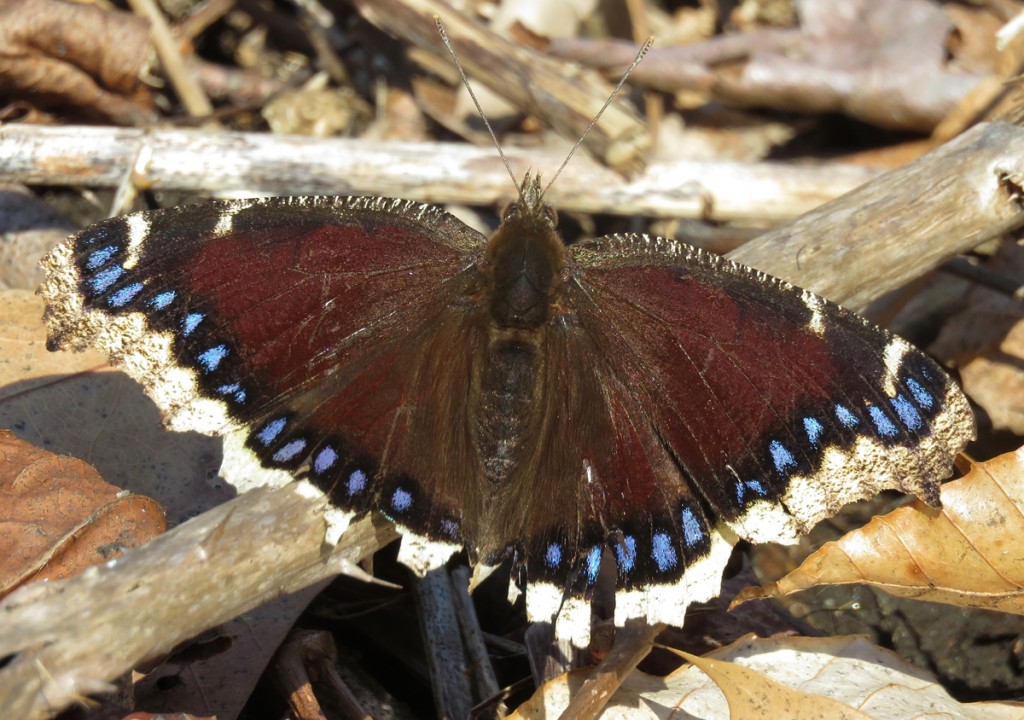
(905,222)
(632,644)
(189,91)
(898,226)
(442,641)
(98,625)
(244,164)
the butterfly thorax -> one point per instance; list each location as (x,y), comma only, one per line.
(525,257)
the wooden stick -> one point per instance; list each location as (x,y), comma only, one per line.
(69,638)
(187,87)
(632,644)
(246,164)
(905,222)
(446,657)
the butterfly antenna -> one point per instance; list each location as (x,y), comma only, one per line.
(622,81)
(480,110)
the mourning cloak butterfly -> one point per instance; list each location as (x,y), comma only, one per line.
(517,396)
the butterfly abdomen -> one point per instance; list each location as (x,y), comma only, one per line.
(505,406)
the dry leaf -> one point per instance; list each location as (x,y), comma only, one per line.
(841,677)
(542,18)
(58,516)
(970,553)
(751,694)
(76,404)
(317,111)
(59,53)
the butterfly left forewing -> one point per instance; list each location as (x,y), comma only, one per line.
(324,326)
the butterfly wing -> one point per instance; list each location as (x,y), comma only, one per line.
(720,402)
(341,331)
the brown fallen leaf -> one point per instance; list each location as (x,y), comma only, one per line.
(837,677)
(970,553)
(76,404)
(58,516)
(58,53)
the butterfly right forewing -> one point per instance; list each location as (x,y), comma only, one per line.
(766,395)
(719,402)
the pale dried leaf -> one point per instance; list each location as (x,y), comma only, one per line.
(784,677)
(970,553)
(544,18)
(751,694)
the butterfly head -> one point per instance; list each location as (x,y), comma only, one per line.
(530,210)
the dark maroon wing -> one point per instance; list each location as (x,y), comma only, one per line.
(340,330)
(713,400)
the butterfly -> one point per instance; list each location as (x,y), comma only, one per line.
(521,398)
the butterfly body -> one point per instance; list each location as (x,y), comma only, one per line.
(514,395)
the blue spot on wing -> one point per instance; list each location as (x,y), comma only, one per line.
(593,564)
(102,280)
(885,426)
(921,396)
(693,528)
(662,552)
(814,429)
(356,482)
(161,301)
(753,486)
(290,451)
(782,457)
(324,459)
(270,431)
(553,555)
(125,295)
(625,553)
(101,257)
(907,413)
(846,417)
(191,322)
(211,358)
(236,391)
(401,500)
